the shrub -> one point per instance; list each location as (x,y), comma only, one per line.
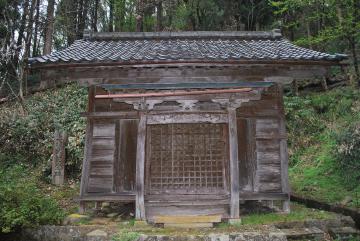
(126,236)
(28,138)
(348,152)
(21,202)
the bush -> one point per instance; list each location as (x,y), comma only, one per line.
(21,202)
(28,138)
(348,152)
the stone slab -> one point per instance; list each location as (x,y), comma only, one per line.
(188,225)
(344,233)
(304,233)
(188,219)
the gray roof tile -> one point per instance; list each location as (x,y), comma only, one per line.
(217,47)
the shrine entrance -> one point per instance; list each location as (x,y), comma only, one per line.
(187,158)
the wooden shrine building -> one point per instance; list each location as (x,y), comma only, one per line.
(184,123)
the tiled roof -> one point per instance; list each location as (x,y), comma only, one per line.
(183,47)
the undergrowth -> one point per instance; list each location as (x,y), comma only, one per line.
(323,161)
(27,131)
(22,204)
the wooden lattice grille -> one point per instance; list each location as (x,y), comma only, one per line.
(187,157)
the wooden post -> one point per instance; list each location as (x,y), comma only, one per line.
(234,166)
(324,84)
(140,169)
(284,154)
(295,87)
(58,160)
(87,150)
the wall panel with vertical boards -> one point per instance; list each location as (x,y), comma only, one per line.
(245,163)
(261,119)
(125,165)
(268,155)
(102,157)
(113,156)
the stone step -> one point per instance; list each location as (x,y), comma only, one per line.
(344,233)
(304,233)
(188,225)
(188,219)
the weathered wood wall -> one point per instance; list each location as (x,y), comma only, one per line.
(172,73)
(259,158)
(113,156)
(260,134)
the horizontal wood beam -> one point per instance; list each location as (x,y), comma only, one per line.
(143,64)
(186,118)
(263,196)
(172,93)
(181,85)
(106,197)
(119,115)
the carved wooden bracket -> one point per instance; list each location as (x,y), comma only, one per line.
(230,103)
(186,118)
(142,104)
(187,104)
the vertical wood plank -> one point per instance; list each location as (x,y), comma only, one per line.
(234,165)
(87,148)
(58,160)
(284,153)
(140,172)
(86,160)
(147,159)
(91,98)
(117,159)
(251,155)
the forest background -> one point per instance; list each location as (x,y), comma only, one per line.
(323,127)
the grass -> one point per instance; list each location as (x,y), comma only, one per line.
(249,223)
(298,213)
(314,121)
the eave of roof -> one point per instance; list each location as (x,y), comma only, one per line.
(105,49)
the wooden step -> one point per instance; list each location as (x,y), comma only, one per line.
(188,219)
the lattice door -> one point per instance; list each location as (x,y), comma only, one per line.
(186,158)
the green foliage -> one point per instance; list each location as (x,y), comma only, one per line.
(21,202)
(348,152)
(323,144)
(27,138)
(298,213)
(126,236)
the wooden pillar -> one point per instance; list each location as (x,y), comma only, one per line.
(58,160)
(87,150)
(140,169)
(284,154)
(324,84)
(295,88)
(234,165)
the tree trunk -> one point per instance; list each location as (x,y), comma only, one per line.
(295,88)
(72,6)
(308,32)
(35,46)
(23,77)
(352,43)
(159,16)
(83,11)
(356,20)
(120,12)
(29,29)
(111,16)
(23,23)
(94,17)
(49,27)
(139,15)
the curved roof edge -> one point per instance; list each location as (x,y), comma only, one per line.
(274,34)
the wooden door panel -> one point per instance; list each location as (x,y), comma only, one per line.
(187,158)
